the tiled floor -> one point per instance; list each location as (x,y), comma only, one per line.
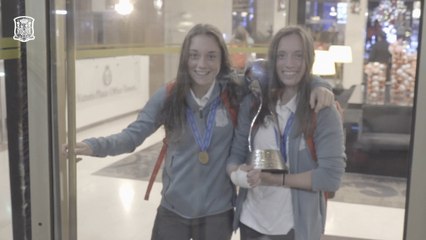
(111,207)
(356,188)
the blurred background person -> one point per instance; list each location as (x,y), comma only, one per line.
(239,56)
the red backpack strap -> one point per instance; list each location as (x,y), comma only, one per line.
(233,112)
(157,166)
(310,135)
(169,87)
(311,144)
(161,155)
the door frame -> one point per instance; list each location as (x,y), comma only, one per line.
(415,210)
(47,61)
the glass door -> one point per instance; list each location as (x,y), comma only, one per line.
(31,48)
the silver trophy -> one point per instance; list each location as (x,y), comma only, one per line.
(268,160)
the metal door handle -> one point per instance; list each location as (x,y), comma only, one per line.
(71,106)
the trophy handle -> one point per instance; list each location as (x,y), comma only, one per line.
(257,91)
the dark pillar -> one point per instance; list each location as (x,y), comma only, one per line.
(296,12)
(17,125)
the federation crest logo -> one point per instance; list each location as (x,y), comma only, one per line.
(24,28)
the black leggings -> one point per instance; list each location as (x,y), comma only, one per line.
(247,233)
(170,226)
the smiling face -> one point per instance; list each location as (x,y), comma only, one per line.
(204,60)
(290,62)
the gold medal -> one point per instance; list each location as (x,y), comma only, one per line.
(203,157)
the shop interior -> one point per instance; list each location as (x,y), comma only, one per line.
(378,109)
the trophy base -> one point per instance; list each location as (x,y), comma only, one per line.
(275,171)
(268,160)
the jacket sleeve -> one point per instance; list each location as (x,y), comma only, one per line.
(239,148)
(135,133)
(319,82)
(330,149)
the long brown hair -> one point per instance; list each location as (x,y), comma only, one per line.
(276,87)
(173,112)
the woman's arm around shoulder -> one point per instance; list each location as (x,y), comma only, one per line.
(321,94)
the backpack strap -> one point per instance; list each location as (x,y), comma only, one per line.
(309,138)
(234,118)
(169,87)
(162,154)
(233,111)
(156,168)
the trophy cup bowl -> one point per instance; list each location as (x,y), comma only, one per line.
(268,160)
(256,71)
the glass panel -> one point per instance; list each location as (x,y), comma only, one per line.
(5,199)
(376,88)
(3,126)
(5,204)
(391,46)
(122,58)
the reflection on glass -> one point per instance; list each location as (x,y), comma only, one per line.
(127,195)
(124,7)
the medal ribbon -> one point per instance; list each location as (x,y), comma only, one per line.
(203,143)
(284,136)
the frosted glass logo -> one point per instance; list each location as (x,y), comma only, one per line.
(24,28)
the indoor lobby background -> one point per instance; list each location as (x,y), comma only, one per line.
(94,63)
